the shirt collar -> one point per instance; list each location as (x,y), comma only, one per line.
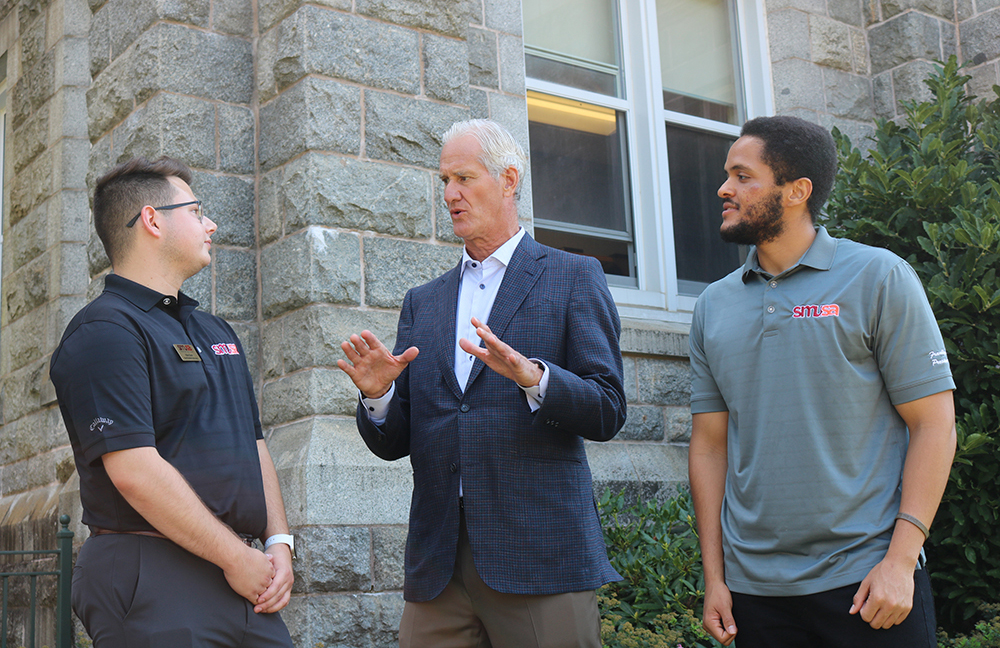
(502,254)
(146,298)
(819,256)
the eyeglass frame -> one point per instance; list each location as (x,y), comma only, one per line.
(201,212)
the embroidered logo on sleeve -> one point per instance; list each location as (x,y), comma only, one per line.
(938,358)
(99,423)
(225,349)
(816,310)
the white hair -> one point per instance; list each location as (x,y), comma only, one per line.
(500,150)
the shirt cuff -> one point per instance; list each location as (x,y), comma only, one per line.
(378,408)
(536,393)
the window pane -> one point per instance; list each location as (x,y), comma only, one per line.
(579,178)
(696,58)
(697,170)
(573,43)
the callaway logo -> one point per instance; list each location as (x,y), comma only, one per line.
(100,422)
(815,310)
(225,349)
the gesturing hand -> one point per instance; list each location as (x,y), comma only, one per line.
(371,365)
(502,359)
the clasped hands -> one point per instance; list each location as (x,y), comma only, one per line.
(373,368)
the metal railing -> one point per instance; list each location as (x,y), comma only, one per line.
(63,575)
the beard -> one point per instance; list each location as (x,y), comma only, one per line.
(761,222)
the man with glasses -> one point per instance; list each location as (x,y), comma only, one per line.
(175,479)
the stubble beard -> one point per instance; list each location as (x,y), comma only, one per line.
(761,223)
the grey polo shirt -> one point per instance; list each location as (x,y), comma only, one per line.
(809,365)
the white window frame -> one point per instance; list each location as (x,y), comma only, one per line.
(656,294)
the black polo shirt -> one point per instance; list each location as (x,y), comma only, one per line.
(137,369)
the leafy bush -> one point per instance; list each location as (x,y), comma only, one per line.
(655,548)
(985,635)
(929,190)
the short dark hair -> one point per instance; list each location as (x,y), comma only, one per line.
(795,148)
(122,193)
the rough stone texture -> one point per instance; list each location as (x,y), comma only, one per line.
(831,43)
(846,11)
(311,336)
(27,390)
(941,8)
(663,382)
(984,77)
(446,69)
(883,95)
(630,379)
(442,16)
(270,223)
(22,342)
(797,85)
(979,36)
(644,423)
(343,192)
(313,114)
(909,85)
(32,89)
(236,284)
(310,392)
(32,435)
(171,125)
(369,620)
(228,201)
(333,559)
(965,9)
(789,34)
(388,548)
(677,428)
(233,16)
(199,287)
(400,129)
(650,470)
(848,96)
(236,139)
(329,477)
(483,64)
(27,239)
(859,49)
(393,266)
(320,41)
(654,338)
(313,265)
(175,59)
(504,16)
(817,7)
(904,38)
(511,64)
(26,288)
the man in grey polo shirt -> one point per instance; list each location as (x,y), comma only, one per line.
(823,416)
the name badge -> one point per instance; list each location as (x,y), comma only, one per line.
(187,353)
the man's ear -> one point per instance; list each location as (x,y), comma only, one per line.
(799,192)
(150,221)
(509,180)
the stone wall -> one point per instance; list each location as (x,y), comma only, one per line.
(313,129)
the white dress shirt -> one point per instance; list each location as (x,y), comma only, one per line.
(477,291)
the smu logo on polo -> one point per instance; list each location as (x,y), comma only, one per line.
(225,349)
(816,310)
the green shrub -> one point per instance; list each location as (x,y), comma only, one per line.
(929,190)
(985,635)
(655,548)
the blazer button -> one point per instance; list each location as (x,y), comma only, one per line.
(454,468)
(465,407)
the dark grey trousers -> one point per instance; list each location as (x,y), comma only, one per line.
(134,591)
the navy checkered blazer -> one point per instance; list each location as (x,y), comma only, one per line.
(529,504)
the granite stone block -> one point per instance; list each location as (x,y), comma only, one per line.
(228,201)
(32,186)
(504,16)
(850,12)
(483,62)
(388,551)
(393,266)
(345,620)
(979,38)
(352,194)
(33,89)
(401,129)
(441,16)
(235,284)
(32,138)
(511,52)
(233,17)
(271,12)
(236,139)
(908,83)
(336,559)
(830,43)
(663,382)
(940,8)
(310,392)
(178,126)
(312,114)
(848,96)
(312,265)
(644,423)
(796,85)
(903,38)
(446,69)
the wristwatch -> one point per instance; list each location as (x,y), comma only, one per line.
(281,538)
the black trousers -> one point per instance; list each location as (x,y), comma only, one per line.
(822,621)
(134,591)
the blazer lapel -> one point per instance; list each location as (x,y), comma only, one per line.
(526,266)
(447,305)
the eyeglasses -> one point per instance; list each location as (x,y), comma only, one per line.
(201,212)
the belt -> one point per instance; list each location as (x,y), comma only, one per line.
(97,531)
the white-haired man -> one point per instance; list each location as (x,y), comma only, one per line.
(505,545)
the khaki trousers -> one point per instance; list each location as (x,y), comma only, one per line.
(469,614)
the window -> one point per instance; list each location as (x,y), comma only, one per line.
(632,107)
